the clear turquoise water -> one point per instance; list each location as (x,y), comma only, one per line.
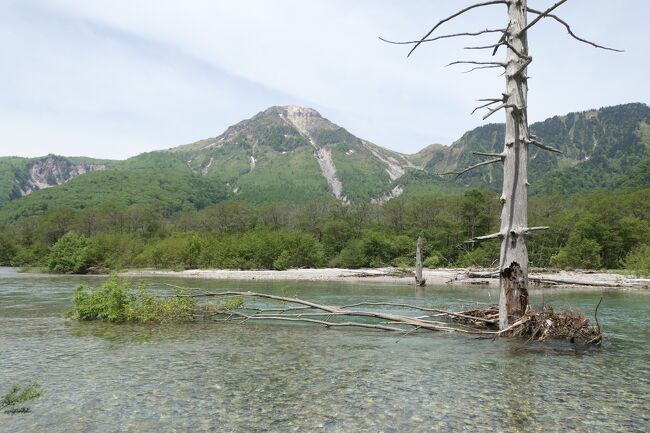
(280,378)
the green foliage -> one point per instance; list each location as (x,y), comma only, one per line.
(374,249)
(160,179)
(283,260)
(17,395)
(237,235)
(335,235)
(579,252)
(72,254)
(433,260)
(8,250)
(485,256)
(475,212)
(638,260)
(116,301)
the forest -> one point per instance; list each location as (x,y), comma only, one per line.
(599,230)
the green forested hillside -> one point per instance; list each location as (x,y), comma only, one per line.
(276,156)
(294,155)
(602,149)
(22,176)
(596,230)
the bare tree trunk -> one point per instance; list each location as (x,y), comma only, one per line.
(418,264)
(513,300)
(513,266)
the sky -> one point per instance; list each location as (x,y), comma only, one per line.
(114,78)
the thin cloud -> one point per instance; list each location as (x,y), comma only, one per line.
(153,74)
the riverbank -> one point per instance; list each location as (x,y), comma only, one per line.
(394,275)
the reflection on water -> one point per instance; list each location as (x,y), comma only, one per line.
(280,378)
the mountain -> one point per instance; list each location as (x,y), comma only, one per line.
(293,154)
(602,149)
(22,176)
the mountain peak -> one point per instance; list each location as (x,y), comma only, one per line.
(291,111)
(296,110)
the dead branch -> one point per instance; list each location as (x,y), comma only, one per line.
(573,35)
(596,313)
(533,229)
(495,155)
(541,326)
(460,173)
(543,146)
(324,323)
(451,17)
(491,111)
(454,35)
(483,47)
(540,16)
(544,280)
(504,36)
(485,238)
(415,307)
(331,311)
(515,50)
(484,105)
(480,67)
(472,62)
(475,274)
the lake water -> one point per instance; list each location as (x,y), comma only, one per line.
(276,377)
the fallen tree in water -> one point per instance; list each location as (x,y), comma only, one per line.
(116,302)
(483,322)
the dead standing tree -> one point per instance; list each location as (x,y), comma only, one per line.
(514,230)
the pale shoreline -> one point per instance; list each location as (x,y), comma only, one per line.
(393,275)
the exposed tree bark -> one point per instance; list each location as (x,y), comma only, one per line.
(513,299)
(513,263)
(418,263)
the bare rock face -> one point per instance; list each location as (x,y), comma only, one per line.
(50,171)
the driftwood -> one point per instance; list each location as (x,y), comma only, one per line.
(419,281)
(482,322)
(396,272)
(562,281)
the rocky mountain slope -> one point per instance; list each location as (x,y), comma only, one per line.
(294,151)
(293,154)
(22,176)
(604,148)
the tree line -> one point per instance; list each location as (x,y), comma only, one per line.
(597,230)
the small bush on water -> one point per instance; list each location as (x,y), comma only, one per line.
(115,301)
(11,402)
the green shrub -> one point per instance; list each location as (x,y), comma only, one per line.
(7,251)
(115,301)
(71,254)
(404,262)
(17,395)
(282,262)
(484,256)
(117,250)
(433,261)
(352,256)
(638,261)
(579,252)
